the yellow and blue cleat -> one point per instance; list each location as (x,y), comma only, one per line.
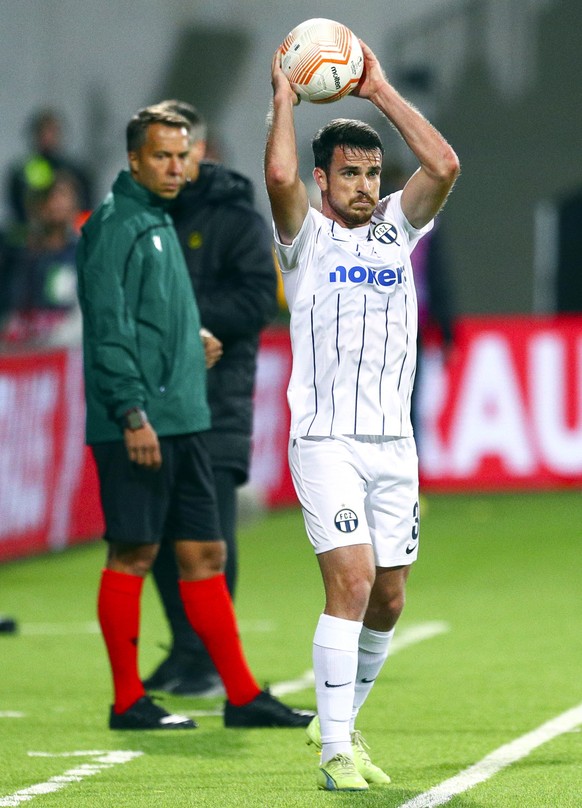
(340,774)
(369,771)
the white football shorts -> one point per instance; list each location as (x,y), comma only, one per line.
(359,490)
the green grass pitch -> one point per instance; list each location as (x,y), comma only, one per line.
(501,572)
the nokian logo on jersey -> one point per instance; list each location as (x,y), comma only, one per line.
(383,277)
(346,521)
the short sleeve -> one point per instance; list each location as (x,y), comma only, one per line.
(391,207)
(289,254)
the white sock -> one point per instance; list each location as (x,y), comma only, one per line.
(373,647)
(335,663)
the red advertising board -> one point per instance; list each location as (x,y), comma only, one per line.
(48,487)
(504,412)
(269,469)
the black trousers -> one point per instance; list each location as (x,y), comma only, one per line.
(165,569)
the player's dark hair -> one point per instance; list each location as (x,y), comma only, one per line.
(135,133)
(345,133)
(198,127)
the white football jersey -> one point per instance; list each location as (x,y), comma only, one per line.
(353,324)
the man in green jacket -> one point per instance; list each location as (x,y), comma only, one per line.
(146,416)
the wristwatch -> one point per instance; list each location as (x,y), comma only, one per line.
(135,419)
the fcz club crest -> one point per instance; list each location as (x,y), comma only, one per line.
(386,233)
(346,521)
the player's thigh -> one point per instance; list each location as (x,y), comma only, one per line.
(331,492)
(134,499)
(392,509)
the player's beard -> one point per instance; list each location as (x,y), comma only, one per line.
(352,217)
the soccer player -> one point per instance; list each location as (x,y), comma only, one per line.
(350,290)
(145,384)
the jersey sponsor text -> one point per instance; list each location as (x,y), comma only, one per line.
(357,274)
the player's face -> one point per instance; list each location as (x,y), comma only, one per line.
(160,163)
(350,189)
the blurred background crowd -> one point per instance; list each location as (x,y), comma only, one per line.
(498,77)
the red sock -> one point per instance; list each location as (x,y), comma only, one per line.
(118,608)
(210,611)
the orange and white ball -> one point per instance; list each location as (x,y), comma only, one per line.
(322,59)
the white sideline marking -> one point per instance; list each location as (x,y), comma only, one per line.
(303,682)
(84,753)
(404,639)
(497,760)
(92,627)
(40,629)
(257,626)
(100,760)
(414,634)
(11,714)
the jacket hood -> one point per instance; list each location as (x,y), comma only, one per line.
(216,183)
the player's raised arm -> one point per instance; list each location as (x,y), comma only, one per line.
(287,193)
(426,191)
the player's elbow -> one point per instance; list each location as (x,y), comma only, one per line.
(449,167)
(279,178)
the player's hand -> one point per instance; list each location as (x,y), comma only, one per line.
(212,347)
(373,77)
(143,447)
(279,80)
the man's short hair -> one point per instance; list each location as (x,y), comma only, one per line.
(136,131)
(198,127)
(347,134)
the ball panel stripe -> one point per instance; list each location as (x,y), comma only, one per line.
(344,91)
(303,73)
(309,71)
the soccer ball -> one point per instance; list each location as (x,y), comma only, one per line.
(322,59)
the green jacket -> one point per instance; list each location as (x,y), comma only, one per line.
(141,340)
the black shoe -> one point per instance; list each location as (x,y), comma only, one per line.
(144,714)
(8,625)
(172,666)
(203,686)
(186,675)
(265,711)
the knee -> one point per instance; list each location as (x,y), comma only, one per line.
(384,610)
(359,590)
(131,559)
(200,560)
(395,605)
(349,596)
(213,557)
